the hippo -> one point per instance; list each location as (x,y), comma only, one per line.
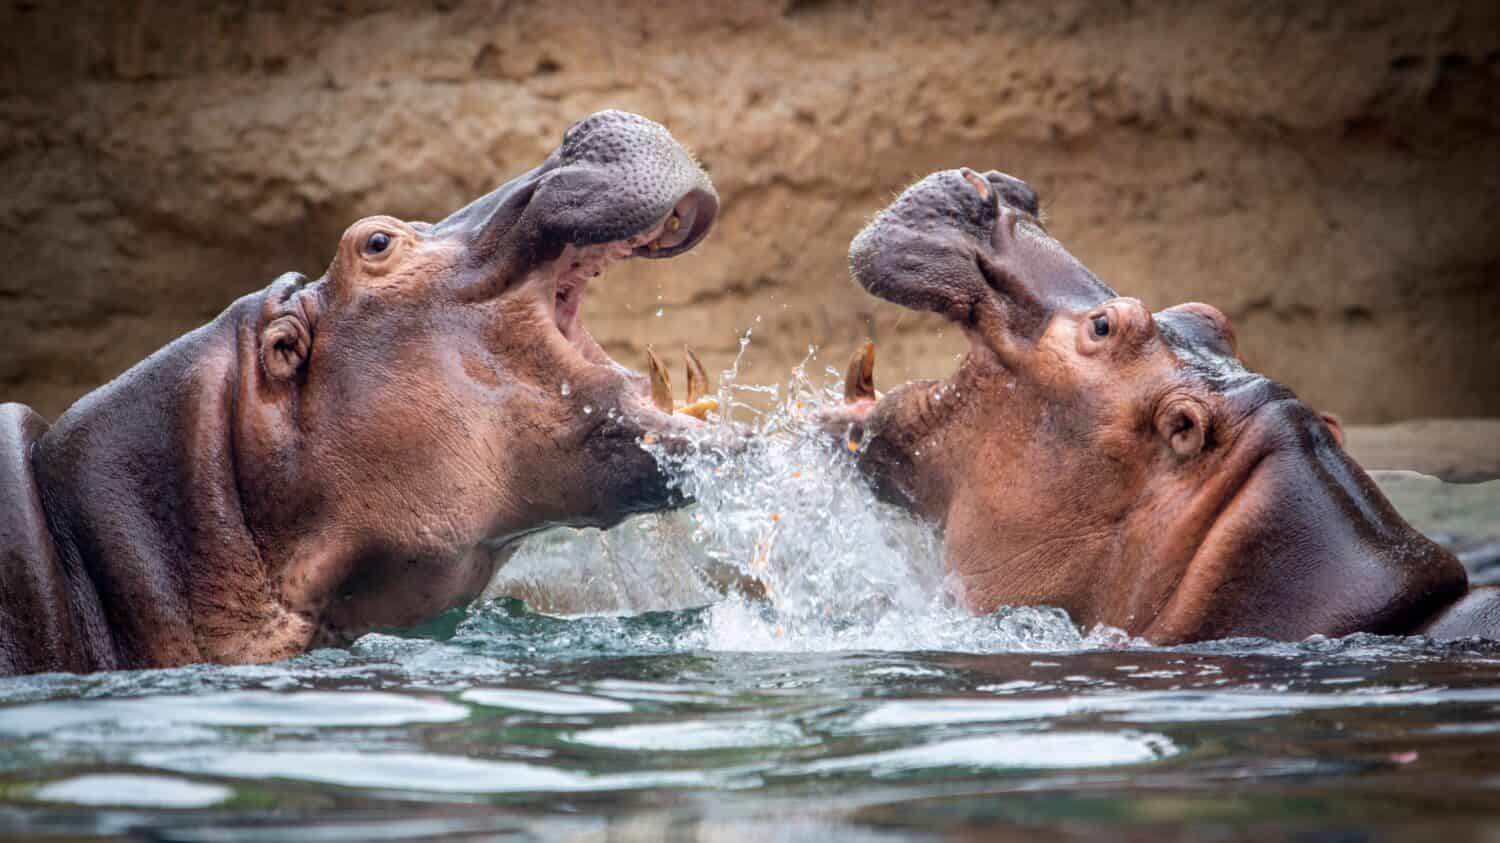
(1124,465)
(356,452)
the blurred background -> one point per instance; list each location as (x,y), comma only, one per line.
(1328,174)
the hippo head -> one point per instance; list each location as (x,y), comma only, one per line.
(435,395)
(363,450)
(1123,465)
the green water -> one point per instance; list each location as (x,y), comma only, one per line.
(507,724)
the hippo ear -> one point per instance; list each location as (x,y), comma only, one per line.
(283,347)
(1335,427)
(285,333)
(1183,425)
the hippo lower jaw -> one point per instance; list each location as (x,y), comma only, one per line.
(887,430)
(569,276)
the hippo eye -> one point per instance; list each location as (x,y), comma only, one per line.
(378,242)
(1100,325)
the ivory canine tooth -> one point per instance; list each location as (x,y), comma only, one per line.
(661,382)
(698,384)
(859,378)
(699,402)
(674,222)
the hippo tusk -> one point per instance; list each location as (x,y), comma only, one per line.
(697,377)
(661,382)
(859,378)
(699,402)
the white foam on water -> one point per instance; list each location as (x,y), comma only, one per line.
(132,790)
(407,771)
(693,736)
(1041,751)
(543,702)
(163,715)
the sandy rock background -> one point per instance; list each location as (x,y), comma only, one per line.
(1326,173)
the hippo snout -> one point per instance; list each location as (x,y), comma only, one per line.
(618,174)
(959,240)
(920,251)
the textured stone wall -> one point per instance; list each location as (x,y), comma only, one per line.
(1326,173)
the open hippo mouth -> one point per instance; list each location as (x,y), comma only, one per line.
(958,243)
(570,274)
(577,265)
(618,187)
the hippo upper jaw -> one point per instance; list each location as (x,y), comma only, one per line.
(619,187)
(971,247)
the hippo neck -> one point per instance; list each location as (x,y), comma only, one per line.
(1304,543)
(138,477)
(51,617)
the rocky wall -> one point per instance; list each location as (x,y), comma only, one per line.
(1326,173)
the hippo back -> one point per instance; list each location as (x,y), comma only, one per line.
(49,611)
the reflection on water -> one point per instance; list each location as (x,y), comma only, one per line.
(854,701)
(632,727)
(655,732)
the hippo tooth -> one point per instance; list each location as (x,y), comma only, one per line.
(661,382)
(697,377)
(859,378)
(674,222)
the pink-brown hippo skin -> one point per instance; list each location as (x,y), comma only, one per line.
(361,451)
(1123,465)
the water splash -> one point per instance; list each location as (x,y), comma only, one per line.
(786,545)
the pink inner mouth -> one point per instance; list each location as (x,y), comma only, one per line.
(577,265)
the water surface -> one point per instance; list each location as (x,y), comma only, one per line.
(852,700)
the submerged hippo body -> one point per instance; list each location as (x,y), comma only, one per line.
(1123,465)
(355,452)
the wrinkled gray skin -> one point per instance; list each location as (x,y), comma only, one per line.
(355,452)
